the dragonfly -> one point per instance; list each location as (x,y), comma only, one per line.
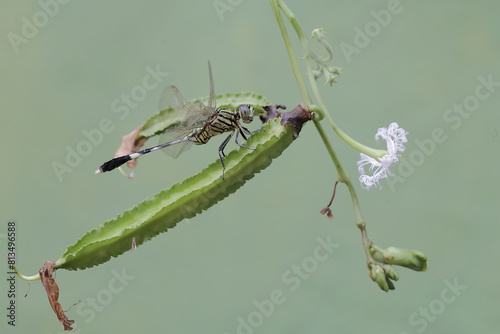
(199,123)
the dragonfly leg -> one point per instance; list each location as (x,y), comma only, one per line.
(243,135)
(247,132)
(221,152)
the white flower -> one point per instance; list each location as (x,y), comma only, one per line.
(380,168)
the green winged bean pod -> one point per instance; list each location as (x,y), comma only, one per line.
(187,199)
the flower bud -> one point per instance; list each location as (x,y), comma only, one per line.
(390,272)
(318,33)
(317,73)
(377,275)
(408,258)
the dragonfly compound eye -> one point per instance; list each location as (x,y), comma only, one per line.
(246,113)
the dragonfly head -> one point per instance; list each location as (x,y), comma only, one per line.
(246,113)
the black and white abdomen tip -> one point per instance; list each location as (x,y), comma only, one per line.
(116,162)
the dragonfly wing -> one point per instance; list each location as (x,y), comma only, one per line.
(180,148)
(202,116)
(171,97)
(186,115)
(206,111)
(211,99)
(173,134)
(189,115)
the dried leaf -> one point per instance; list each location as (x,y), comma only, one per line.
(52,290)
(326,210)
(296,118)
(271,112)
(130,145)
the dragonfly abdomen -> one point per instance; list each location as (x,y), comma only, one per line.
(200,136)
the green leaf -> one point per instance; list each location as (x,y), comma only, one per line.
(185,200)
(162,120)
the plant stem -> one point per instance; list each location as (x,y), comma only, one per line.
(27,278)
(291,54)
(275,4)
(342,175)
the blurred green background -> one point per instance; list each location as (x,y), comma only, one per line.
(211,271)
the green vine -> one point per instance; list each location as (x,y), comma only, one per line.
(379,261)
